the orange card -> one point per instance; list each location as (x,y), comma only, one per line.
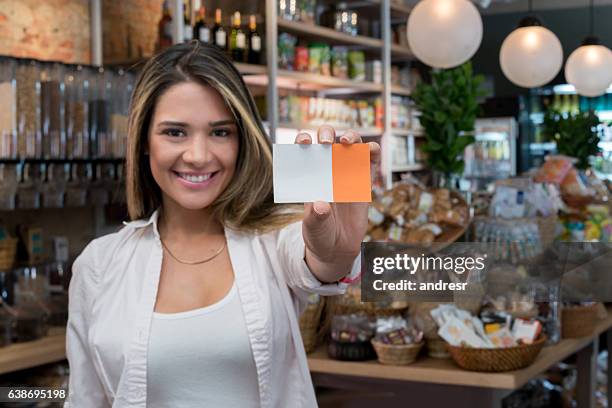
(351,173)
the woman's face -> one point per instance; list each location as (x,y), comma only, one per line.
(193,145)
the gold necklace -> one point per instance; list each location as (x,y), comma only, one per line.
(213,256)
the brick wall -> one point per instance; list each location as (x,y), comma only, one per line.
(47,30)
(129,28)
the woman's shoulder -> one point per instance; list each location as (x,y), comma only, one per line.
(102,250)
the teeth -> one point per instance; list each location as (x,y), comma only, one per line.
(195,179)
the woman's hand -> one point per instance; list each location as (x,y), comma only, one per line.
(333,231)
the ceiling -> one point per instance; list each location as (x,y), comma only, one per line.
(514,6)
(517,6)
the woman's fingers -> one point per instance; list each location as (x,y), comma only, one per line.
(326,134)
(374,152)
(303,138)
(350,137)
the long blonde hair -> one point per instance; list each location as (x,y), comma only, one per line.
(247,202)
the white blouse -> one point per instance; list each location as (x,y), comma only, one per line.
(202,358)
(112,296)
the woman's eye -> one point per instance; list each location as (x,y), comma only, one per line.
(221,132)
(174,132)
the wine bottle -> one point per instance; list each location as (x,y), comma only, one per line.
(237,39)
(187,27)
(219,34)
(254,55)
(164,29)
(201,29)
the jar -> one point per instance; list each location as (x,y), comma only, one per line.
(8,109)
(52,111)
(76,188)
(122,86)
(76,114)
(28,190)
(8,186)
(28,109)
(54,186)
(32,311)
(99,111)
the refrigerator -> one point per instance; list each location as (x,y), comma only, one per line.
(493,154)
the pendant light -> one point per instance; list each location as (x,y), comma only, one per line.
(444,33)
(531,55)
(589,67)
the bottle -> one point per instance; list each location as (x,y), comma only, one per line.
(187,27)
(201,29)
(237,39)
(219,34)
(164,28)
(254,56)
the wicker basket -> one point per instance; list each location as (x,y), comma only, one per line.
(436,348)
(394,354)
(309,325)
(8,250)
(497,359)
(578,321)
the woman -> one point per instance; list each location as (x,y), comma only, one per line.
(193,303)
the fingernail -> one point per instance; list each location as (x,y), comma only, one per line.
(344,139)
(319,208)
(327,135)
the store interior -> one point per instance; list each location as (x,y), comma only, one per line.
(495,123)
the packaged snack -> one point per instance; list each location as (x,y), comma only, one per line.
(397,331)
(325,61)
(353,328)
(339,62)
(573,185)
(301,58)
(555,169)
(286,51)
(315,54)
(526,331)
(356,60)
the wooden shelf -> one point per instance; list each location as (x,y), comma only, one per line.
(313,82)
(407,167)
(407,132)
(364,132)
(30,354)
(400,10)
(428,370)
(400,90)
(401,53)
(333,37)
(251,69)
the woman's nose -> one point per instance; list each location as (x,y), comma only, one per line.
(197,152)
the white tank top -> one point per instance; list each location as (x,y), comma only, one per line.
(202,358)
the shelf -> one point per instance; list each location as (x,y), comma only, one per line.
(445,371)
(63,161)
(30,354)
(400,90)
(399,52)
(251,69)
(313,82)
(363,132)
(407,132)
(333,37)
(400,10)
(407,167)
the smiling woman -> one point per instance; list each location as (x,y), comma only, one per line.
(195,302)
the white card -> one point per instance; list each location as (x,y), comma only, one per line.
(302,173)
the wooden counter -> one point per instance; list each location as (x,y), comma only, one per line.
(19,356)
(448,376)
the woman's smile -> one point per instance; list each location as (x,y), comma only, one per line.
(195,181)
